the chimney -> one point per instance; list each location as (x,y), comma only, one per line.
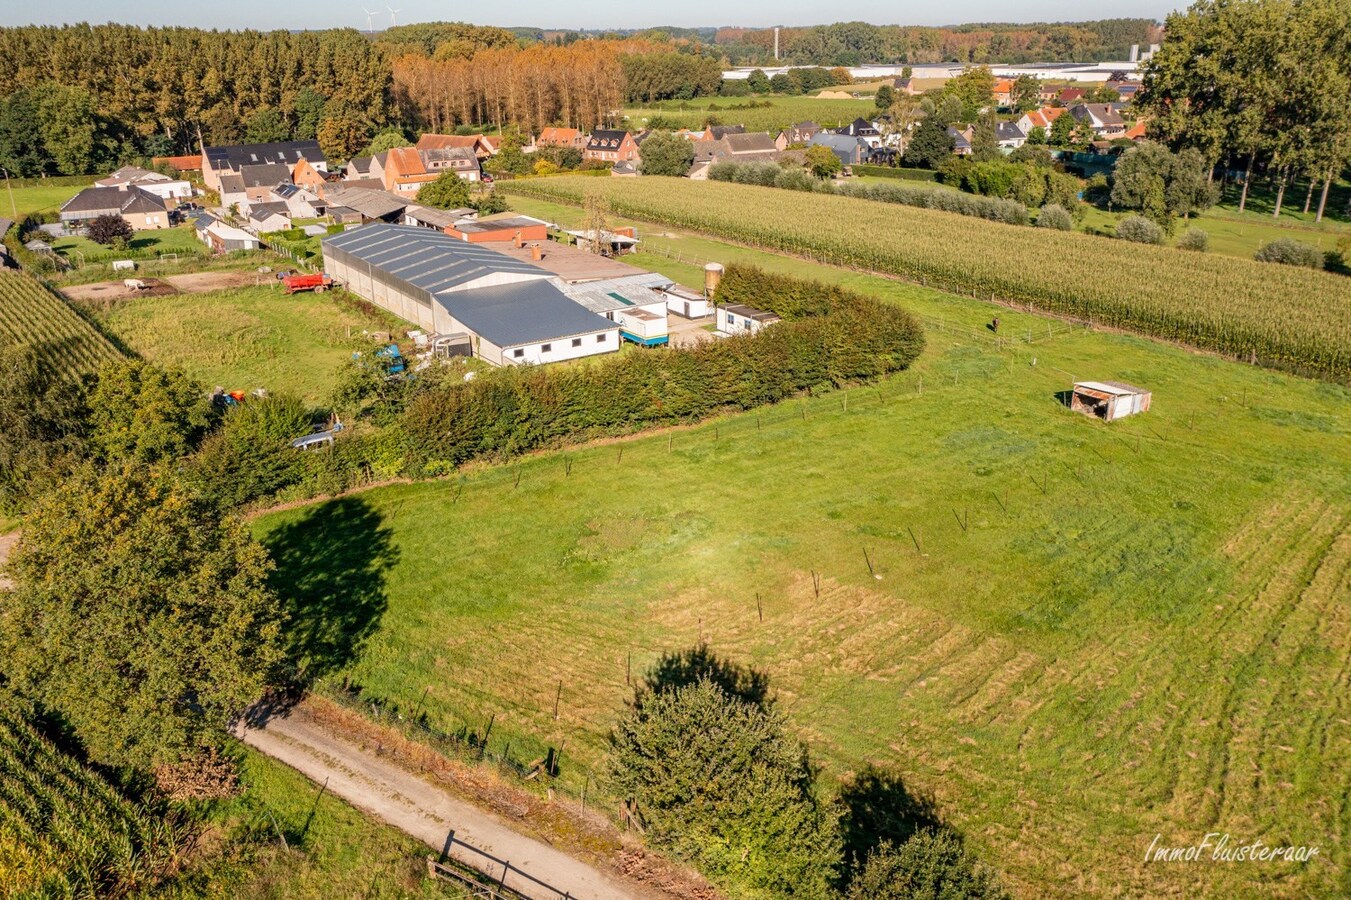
(536,252)
(517,242)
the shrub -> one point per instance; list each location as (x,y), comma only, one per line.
(720,782)
(250,456)
(1139,230)
(111,231)
(1289,252)
(932,864)
(1194,239)
(1053,215)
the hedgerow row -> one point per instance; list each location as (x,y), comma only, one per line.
(1277,316)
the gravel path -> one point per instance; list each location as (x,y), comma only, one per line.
(403,800)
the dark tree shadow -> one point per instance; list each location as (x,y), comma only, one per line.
(685,667)
(877,808)
(330,575)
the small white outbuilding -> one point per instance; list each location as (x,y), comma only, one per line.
(1109,400)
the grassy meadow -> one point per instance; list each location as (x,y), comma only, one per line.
(782,112)
(245,338)
(17,202)
(181,240)
(1073,636)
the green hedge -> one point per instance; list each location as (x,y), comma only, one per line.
(829,336)
(889,172)
(33,263)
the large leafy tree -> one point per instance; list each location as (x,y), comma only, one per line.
(667,154)
(1026,94)
(930,145)
(718,781)
(1161,184)
(975,89)
(110,230)
(448,191)
(138,615)
(822,161)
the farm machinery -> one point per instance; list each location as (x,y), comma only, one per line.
(296,284)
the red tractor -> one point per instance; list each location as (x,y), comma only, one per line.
(295,284)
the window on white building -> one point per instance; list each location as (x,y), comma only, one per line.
(545,348)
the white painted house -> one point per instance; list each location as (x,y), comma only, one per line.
(738,319)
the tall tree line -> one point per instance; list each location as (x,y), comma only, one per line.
(107,92)
(1262,84)
(855,43)
(580,84)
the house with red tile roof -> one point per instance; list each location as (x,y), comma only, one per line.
(1040,118)
(481,146)
(404,171)
(1003,93)
(1069,96)
(560,137)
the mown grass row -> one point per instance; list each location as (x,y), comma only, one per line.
(32,316)
(1276,316)
(67,832)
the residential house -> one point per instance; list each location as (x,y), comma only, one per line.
(850,150)
(140,208)
(1003,93)
(611,146)
(232,190)
(1138,131)
(906,86)
(800,133)
(265,217)
(862,128)
(301,203)
(162,186)
(1105,121)
(1126,90)
(219,161)
(481,146)
(757,146)
(561,137)
(461,160)
(1069,96)
(1009,135)
(404,172)
(359,168)
(261,179)
(306,175)
(961,139)
(624,170)
(222,238)
(718,132)
(1039,118)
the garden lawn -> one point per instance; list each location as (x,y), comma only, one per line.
(150,243)
(1075,636)
(246,338)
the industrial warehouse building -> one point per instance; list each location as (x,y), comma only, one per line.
(510,309)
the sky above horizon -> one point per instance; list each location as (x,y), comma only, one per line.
(317,14)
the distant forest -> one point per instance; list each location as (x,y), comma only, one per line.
(74,99)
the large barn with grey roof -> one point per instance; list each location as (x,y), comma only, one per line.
(510,309)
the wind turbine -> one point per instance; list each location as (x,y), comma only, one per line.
(370,19)
(393,23)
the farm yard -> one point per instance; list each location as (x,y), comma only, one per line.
(244,337)
(1279,316)
(1065,635)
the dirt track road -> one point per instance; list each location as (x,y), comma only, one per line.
(418,808)
(7,542)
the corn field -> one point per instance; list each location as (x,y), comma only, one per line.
(31,315)
(1283,317)
(67,832)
